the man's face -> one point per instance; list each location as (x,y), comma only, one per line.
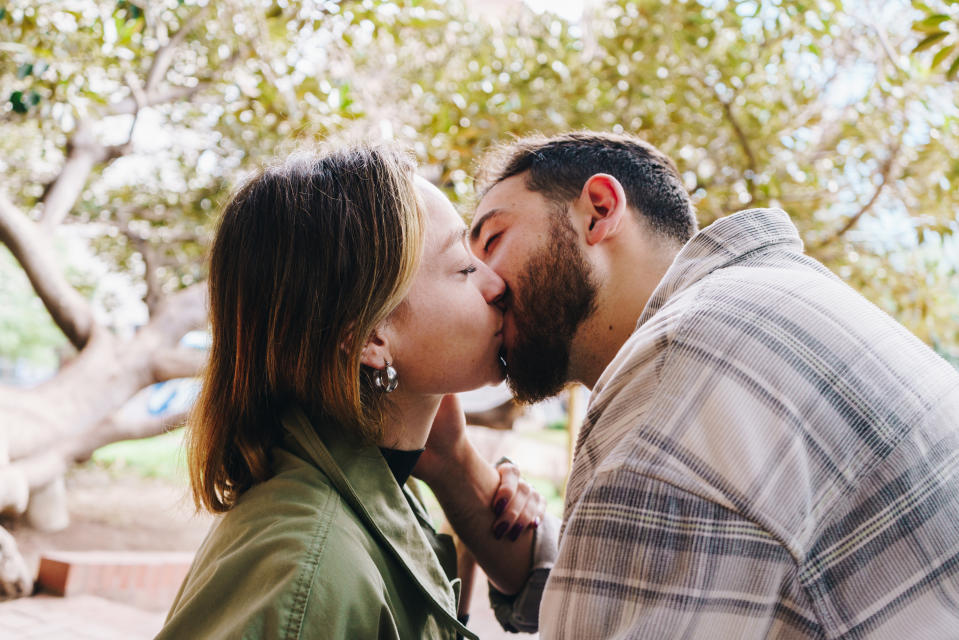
(531,244)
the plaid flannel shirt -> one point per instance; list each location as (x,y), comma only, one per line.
(768,456)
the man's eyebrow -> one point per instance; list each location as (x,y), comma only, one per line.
(478,224)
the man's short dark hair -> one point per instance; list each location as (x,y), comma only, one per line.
(559,166)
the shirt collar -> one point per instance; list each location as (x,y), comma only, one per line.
(721,244)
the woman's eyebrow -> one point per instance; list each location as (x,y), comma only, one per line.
(458,236)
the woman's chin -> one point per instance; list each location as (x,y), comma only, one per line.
(494,374)
(494,378)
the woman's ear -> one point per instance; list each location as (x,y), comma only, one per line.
(603,202)
(376,351)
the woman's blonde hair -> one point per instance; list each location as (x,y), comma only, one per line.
(309,256)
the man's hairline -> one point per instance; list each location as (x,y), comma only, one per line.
(556,204)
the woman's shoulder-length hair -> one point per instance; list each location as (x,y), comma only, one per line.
(310,254)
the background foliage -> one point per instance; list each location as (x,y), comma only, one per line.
(844,114)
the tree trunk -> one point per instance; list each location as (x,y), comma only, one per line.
(47,428)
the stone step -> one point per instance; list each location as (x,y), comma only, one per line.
(148,580)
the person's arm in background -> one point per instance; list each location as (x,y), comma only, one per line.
(481,503)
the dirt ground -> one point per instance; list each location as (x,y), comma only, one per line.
(119,511)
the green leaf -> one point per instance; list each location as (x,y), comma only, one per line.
(3,14)
(16,99)
(953,68)
(930,40)
(24,70)
(931,23)
(941,55)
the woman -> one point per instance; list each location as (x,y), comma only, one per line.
(344,304)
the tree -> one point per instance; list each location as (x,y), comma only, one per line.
(85,76)
(126,124)
(803,105)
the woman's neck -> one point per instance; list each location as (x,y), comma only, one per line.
(409,419)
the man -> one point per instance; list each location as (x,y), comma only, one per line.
(765,453)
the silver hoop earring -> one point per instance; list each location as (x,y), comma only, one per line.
(386,379)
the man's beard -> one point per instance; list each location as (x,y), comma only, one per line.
(556,294)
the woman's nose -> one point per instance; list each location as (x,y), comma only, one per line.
(491,285)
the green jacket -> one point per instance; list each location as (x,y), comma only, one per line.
(329,547)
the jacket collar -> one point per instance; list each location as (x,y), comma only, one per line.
(364,481)
(722,243)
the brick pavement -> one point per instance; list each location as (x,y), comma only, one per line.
(83,617)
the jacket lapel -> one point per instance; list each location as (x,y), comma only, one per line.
(383,508)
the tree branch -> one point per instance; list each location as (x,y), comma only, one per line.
(884,174)
(751,172)
(139,97)
(871,23)
(38,470)
(69,310)
(119,427)
(183,311)
(149,94)
(751,165)
(129,105)
(164,55)
(83,153)
(147,252)
(41,469)
(179,362)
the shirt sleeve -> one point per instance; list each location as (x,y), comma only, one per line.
(520,612)
(645,559)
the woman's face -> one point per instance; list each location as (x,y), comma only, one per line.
(447,337)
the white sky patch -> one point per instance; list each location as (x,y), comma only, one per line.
(571,10)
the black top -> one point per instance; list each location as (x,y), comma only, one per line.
(401,463)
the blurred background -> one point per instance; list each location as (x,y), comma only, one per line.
(124,125)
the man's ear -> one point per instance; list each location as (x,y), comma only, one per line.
(604,204)
(376,351)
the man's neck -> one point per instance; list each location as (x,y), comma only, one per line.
(633,273)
